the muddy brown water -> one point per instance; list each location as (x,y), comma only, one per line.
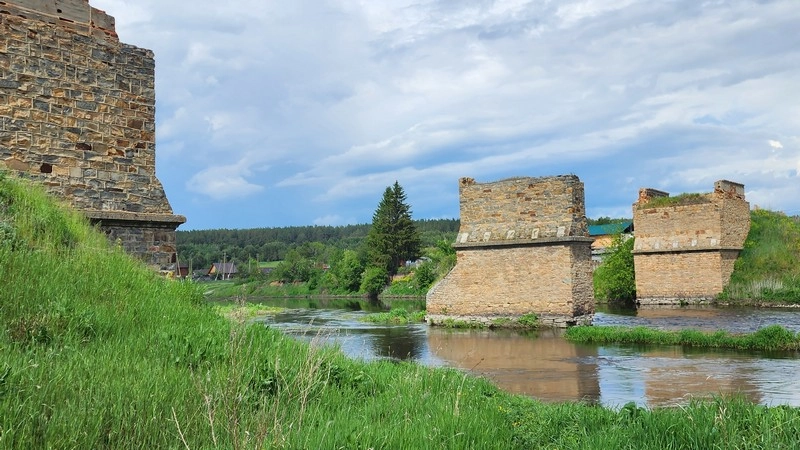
(546,366)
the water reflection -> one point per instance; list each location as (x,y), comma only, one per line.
(546,366)
(356,338)
(543,365)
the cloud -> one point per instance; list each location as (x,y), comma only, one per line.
(775,144)
(224,181)
(625,94)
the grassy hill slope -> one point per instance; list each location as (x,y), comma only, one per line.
(768,269)
(98,352)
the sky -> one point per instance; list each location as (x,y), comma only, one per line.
(302,112)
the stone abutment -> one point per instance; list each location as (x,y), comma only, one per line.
(522,248)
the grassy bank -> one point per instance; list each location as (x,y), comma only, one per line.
(771,338)
(768,268)
(98,352)
(722,423)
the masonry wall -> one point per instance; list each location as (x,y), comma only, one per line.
(77,114)
(523,209)
(686,252)
(522,248)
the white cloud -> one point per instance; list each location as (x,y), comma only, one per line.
(224,181)
(622,93)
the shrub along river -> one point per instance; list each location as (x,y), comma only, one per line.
(544,365)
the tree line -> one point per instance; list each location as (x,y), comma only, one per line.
(205,247)
(345,260)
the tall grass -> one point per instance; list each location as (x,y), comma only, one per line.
(768,268)
(722,423)
(98,352)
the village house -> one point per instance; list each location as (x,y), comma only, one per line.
(603,236)
(222,271)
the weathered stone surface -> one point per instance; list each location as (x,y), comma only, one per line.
(685,253)
(521,209)
(78,112)
(522,248)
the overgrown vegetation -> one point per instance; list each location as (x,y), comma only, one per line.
(615,279)
(397,316)
(98,352)
(768,268)
(773,337)
(676,200)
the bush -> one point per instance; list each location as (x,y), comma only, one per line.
(615,279)
(424,276)
(374,280)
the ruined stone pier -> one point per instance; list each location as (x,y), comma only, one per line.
(686,246)
(523,247)
(77,114)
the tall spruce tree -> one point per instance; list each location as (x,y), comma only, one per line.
(393,237)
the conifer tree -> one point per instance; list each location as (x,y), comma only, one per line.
(393,237)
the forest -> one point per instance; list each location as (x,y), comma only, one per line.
(205,247)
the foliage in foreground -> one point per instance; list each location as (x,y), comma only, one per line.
(773,337)
(721,423)
(118,358)
(768,268)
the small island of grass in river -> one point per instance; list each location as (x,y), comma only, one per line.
(770,338)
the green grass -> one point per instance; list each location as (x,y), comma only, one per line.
(238,289)
(721,423)
(771,338)
(99,352)
(242,311)
(768,268)
(397,316)
(96,351)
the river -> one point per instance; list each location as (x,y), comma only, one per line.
(545,366)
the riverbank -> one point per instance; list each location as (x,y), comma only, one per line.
(115,357)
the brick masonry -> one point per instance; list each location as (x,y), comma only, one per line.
(523,247)
(77,114)
(686,252)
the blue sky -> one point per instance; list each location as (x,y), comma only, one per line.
(279,113)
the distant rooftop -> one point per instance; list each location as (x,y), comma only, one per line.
(611,228)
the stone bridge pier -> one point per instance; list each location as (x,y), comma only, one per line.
(522,248)
(686,245)
(77,115)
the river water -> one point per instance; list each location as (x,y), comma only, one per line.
(545,366)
